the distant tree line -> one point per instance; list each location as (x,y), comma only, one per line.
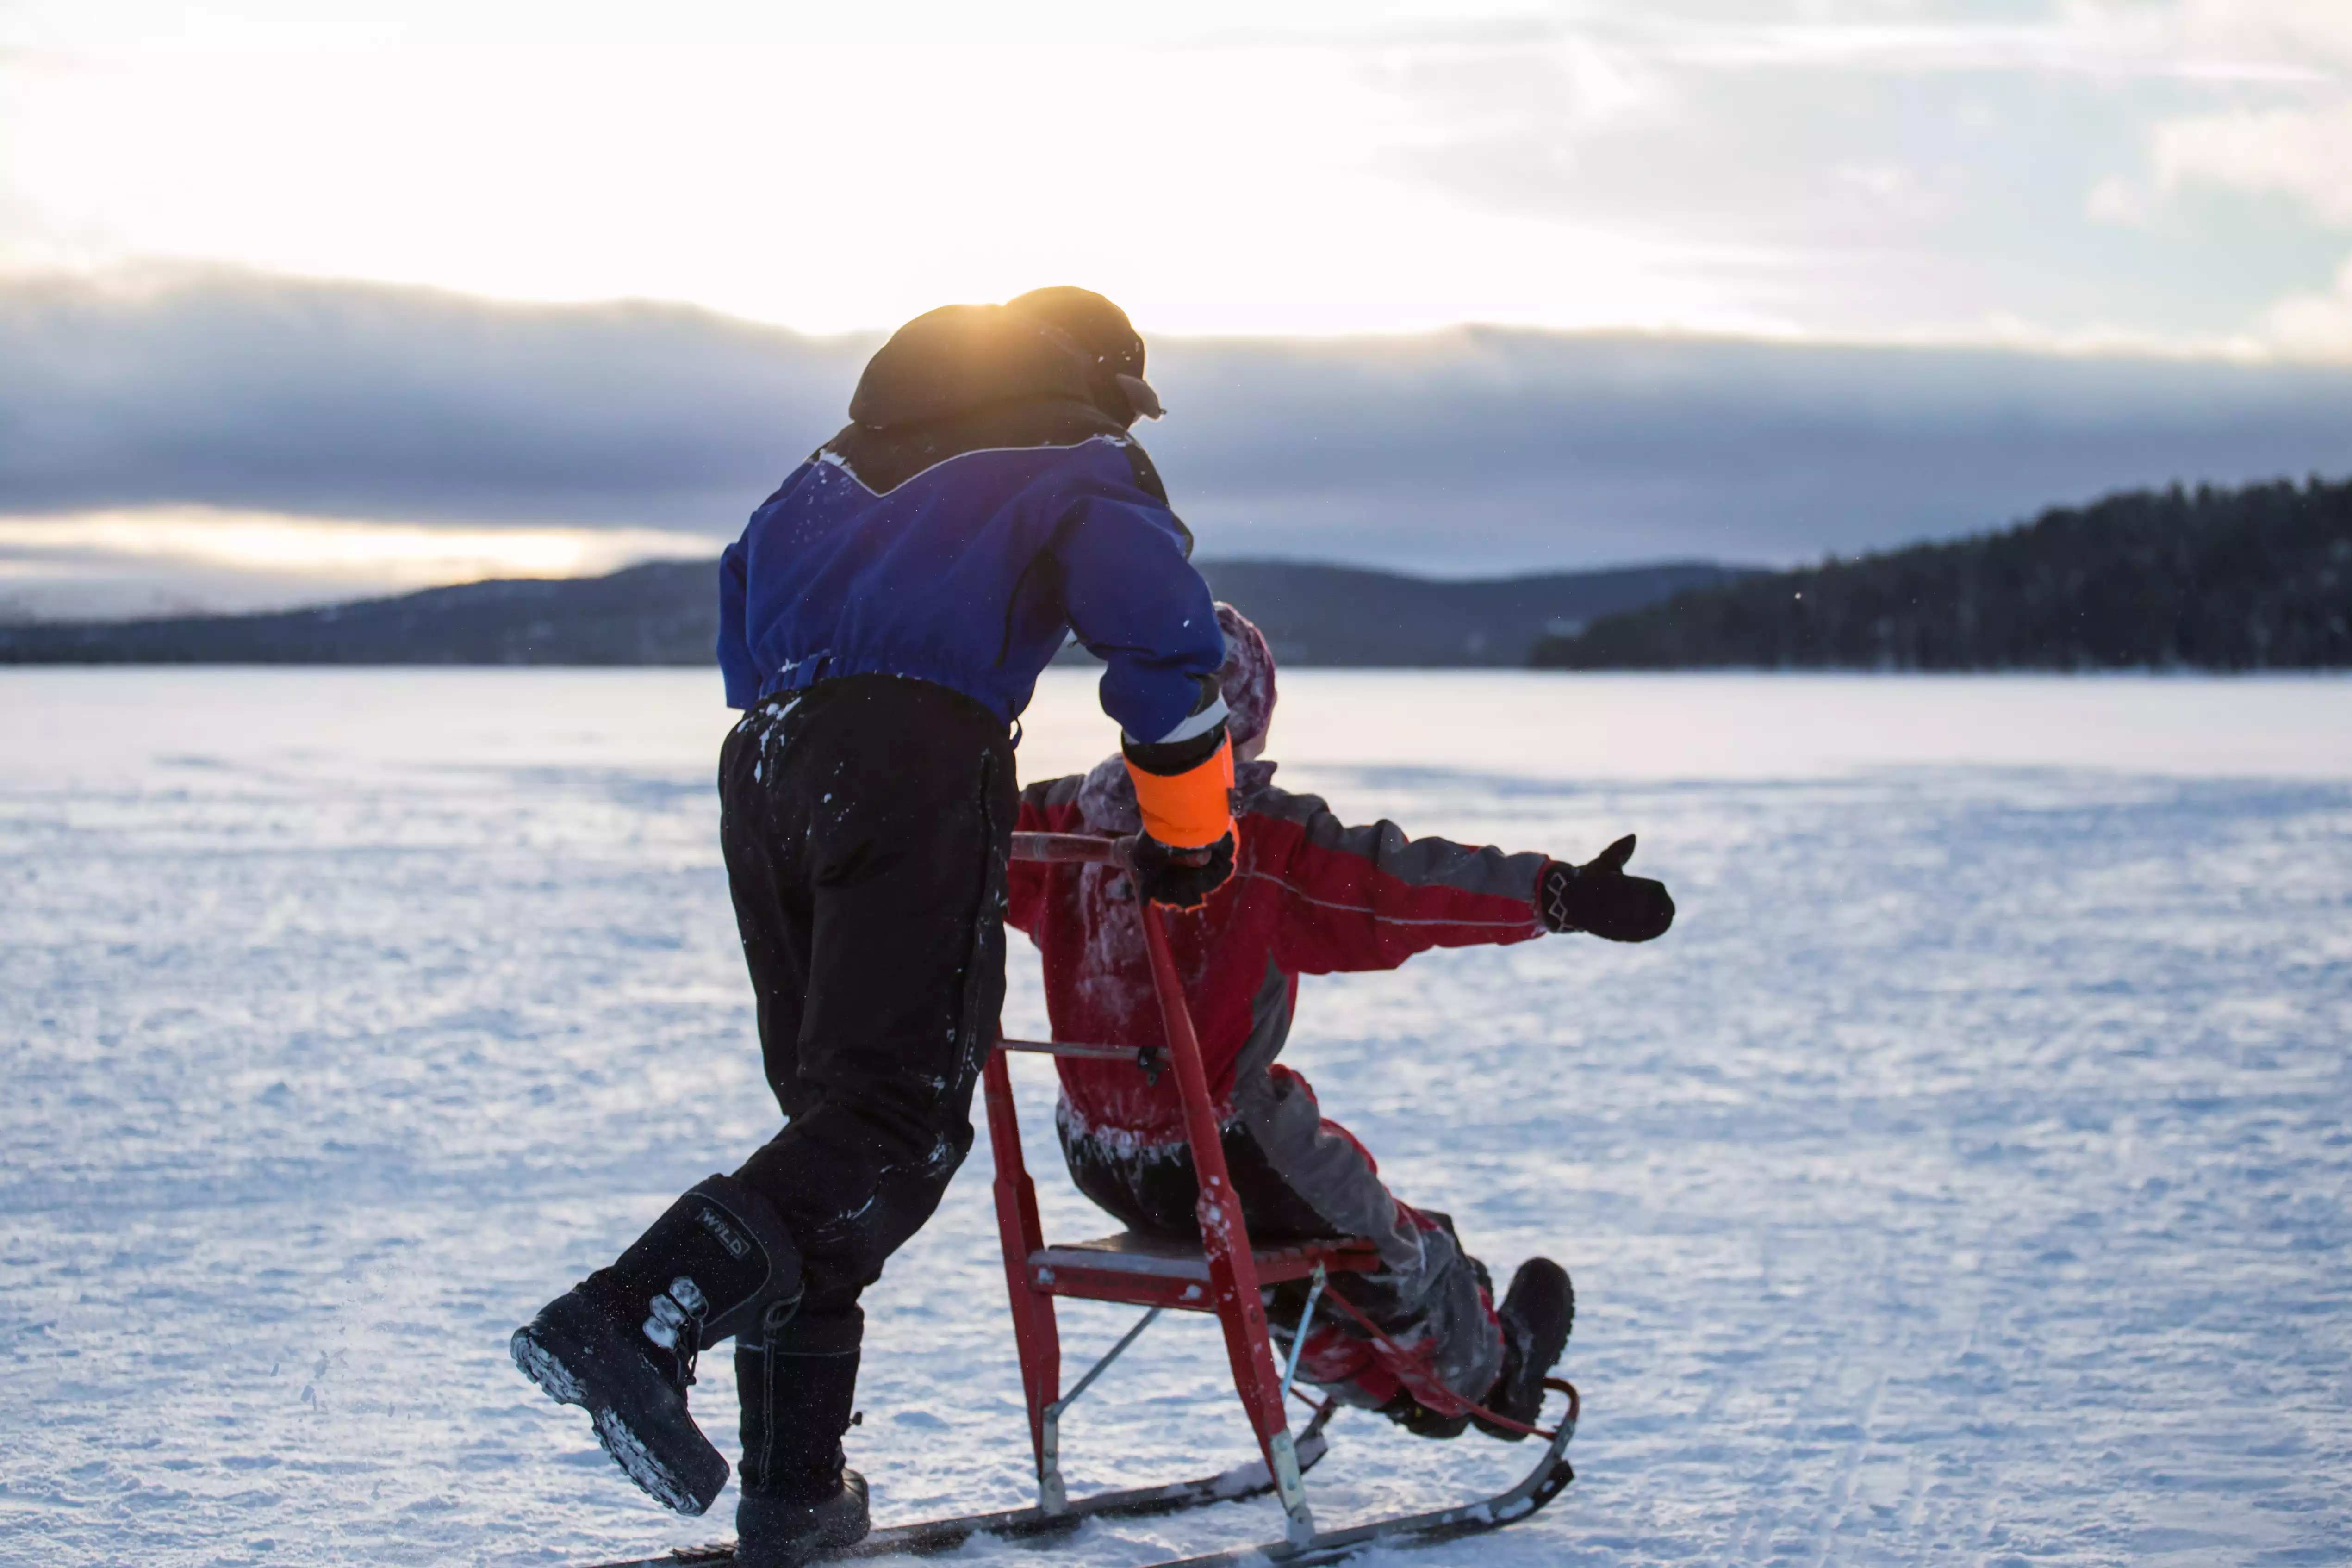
(667,613)
(2258,578)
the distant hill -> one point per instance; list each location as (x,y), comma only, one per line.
(1341,616)
(2259,578)
(667,613)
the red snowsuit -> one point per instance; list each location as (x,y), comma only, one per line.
(1308,896)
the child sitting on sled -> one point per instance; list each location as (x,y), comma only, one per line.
(1308,895)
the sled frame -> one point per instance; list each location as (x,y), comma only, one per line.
(1225,1280)
(1223,1277)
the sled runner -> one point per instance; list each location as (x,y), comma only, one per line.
(1222,1275)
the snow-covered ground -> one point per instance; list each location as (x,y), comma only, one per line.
(1964,1179)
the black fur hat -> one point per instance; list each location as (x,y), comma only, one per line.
(1101,330)
(1098,327)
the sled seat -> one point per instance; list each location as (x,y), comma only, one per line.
(1164,1272)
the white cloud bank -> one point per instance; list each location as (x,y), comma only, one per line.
(490,438)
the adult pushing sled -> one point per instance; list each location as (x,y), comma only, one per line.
(884,620)
(1219,1270)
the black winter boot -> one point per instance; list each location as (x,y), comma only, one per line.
(623,1342)
(773,1533)
(797,1384)
(1537,1317)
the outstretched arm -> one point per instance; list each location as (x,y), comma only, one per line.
(1371,898)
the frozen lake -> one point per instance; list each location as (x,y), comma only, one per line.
(1963,1180)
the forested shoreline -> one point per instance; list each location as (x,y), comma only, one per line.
(2246,579)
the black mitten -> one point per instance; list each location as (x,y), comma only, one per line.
(1597,897)
(1181,879)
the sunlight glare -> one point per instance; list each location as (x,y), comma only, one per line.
(1209,191)
(408,554)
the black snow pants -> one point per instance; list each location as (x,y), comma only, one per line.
(865,823)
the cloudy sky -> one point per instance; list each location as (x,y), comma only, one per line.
(296,297)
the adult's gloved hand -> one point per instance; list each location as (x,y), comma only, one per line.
(1597,897)
(1181,879)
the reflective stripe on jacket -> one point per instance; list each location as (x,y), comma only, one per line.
(970,575)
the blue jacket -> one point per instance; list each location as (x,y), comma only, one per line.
(980,506)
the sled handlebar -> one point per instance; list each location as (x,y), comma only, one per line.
(1083,848)
(1068,846)
(1151,1058)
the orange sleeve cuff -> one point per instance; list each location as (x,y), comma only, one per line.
(1190,810)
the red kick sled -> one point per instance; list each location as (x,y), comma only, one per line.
(1223,1275)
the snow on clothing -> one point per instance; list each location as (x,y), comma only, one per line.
(865,824)
(981,504)
(884,619)
(1309,896)
(1246,677)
